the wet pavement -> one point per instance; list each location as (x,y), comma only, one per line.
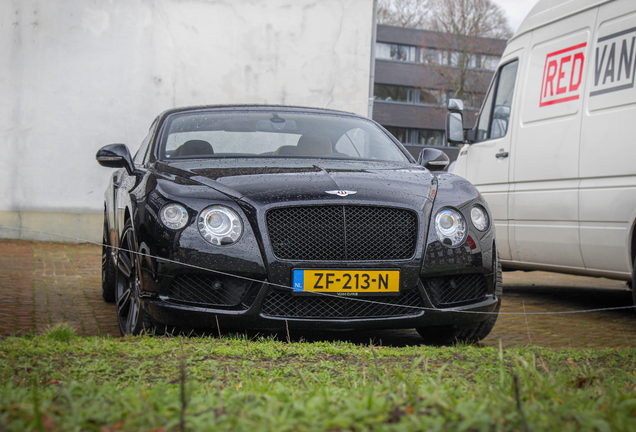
(42,284)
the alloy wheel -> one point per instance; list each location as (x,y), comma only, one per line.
(128,284)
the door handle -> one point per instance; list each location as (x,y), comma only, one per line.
(501,155)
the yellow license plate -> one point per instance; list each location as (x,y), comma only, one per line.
(347,282)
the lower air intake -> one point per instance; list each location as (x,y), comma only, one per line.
(208,289)
(456,290)
(285,305)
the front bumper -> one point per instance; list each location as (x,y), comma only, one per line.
(438,284)
(254,318)
(453,284)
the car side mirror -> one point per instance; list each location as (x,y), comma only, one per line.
(433,159)
(115,156)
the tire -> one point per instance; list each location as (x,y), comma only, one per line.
(473,334)
(108,268)
(131,317)
(633,287)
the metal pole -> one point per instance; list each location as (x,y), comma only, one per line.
(372,69)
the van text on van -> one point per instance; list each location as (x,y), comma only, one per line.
(614,62)
(562,75)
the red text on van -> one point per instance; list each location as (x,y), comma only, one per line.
(562,75)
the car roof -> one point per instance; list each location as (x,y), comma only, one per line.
(264,108)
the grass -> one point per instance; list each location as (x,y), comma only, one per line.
(61,332)
(62,382)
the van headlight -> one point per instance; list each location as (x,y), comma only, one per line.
(450,227)
(220,225)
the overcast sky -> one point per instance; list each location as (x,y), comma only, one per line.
(516,10)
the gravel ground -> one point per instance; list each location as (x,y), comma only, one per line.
(42,284)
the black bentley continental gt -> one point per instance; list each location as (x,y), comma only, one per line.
(267,217)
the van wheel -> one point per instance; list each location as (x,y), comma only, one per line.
(108,268)
(473,334)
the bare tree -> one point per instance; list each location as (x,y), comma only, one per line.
(468,18)
(403,13)
(463,23)
(461,17)
(463,57)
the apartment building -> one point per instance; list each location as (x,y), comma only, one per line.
(417,71)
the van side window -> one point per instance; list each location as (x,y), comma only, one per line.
(493,121)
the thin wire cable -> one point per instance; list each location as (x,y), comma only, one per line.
(449,310)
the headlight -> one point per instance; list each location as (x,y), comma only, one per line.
(479,217)
(174,216)
(220,225)
(450,227)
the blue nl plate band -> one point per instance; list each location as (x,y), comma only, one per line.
(299,280)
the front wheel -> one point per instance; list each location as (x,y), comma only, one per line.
(132,319)
(472,334)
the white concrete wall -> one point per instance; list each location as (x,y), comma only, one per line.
(78,74)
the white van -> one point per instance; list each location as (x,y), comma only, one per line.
(553,150)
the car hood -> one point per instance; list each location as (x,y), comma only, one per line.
(263,182)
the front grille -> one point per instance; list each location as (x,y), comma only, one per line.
(342,233)
(285,305)
(454,290)
(208,289)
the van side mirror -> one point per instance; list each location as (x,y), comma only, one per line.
(455,122)
(433,159)
(454,127)
(455,105)
(115,156)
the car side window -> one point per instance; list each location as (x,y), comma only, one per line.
(143,148)
(495,114)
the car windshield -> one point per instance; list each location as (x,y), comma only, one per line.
(274,134)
